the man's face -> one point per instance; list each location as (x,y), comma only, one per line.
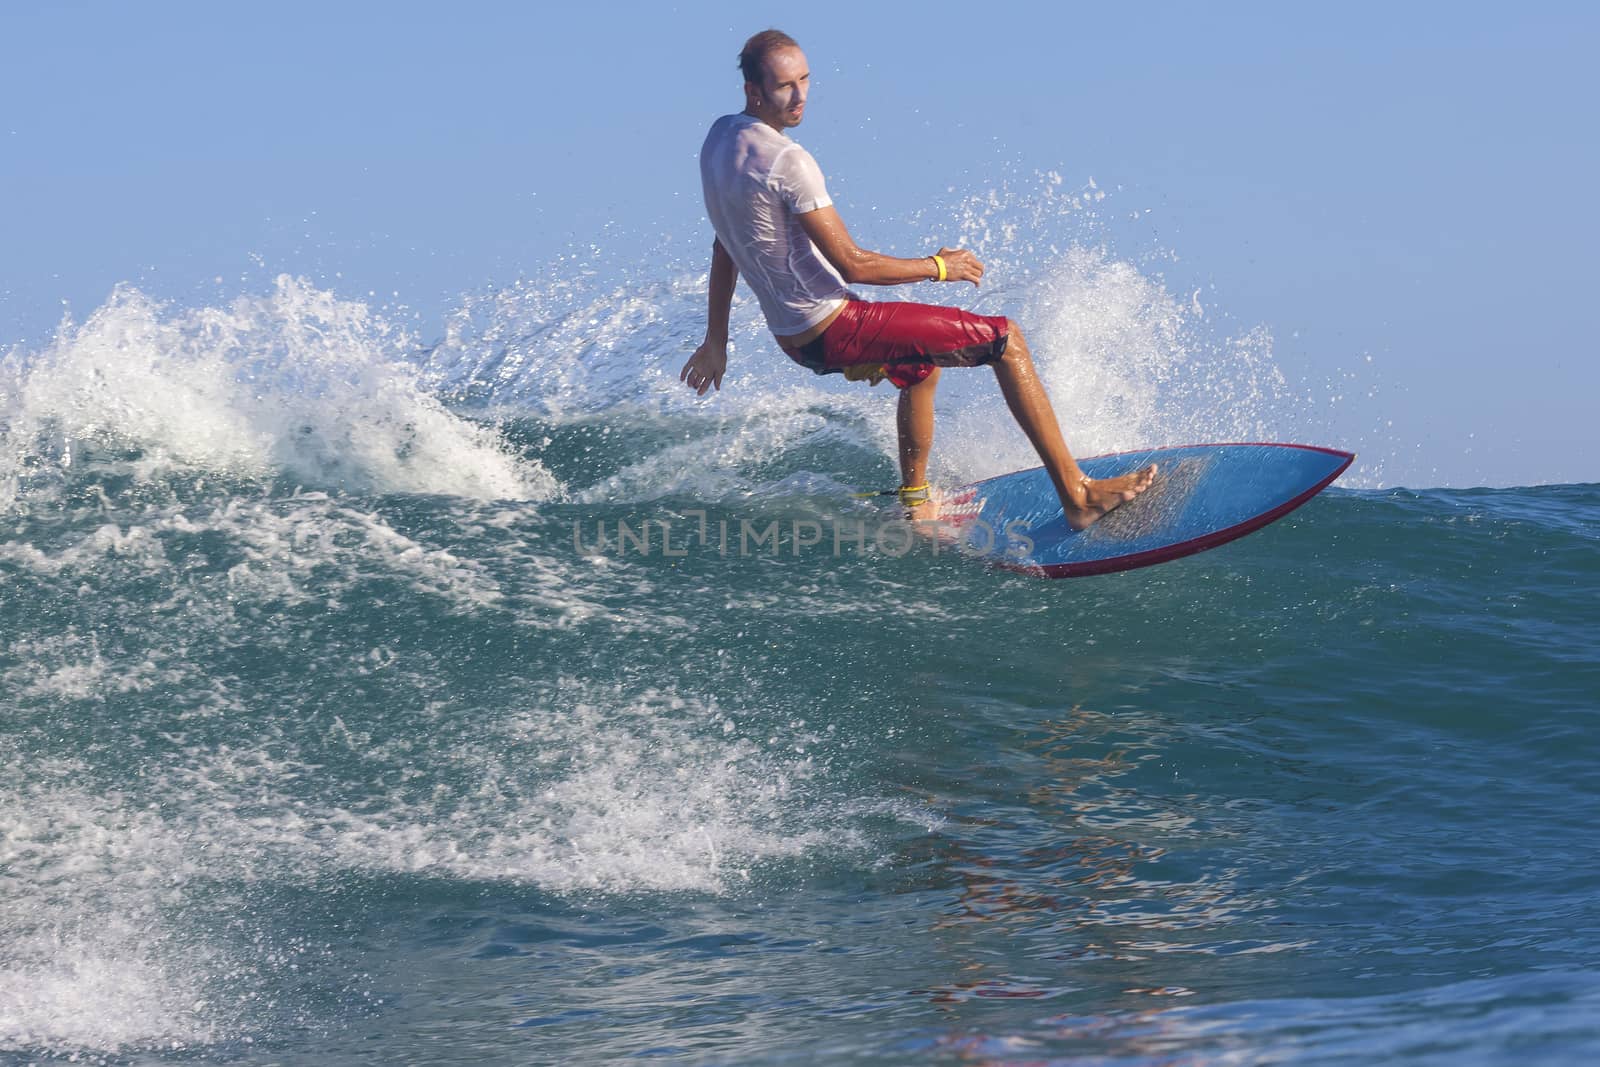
(780,100)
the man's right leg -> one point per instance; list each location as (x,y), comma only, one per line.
(914,423)
(1083,499)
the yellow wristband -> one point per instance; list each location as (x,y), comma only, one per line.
(938,261)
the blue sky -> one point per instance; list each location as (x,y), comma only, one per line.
(1413,183)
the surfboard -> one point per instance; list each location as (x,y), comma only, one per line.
(1203,496)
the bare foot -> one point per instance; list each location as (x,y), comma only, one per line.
(1101,495)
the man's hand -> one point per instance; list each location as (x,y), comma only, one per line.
(961,265)
(705,368)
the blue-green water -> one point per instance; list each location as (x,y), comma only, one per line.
(324,742)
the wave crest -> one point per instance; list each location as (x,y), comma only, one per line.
(296,383)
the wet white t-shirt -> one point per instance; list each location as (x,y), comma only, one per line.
(756,181)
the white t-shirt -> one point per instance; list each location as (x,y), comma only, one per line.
(756,181)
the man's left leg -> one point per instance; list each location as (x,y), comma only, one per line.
(914,421)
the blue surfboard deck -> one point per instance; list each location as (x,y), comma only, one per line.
(1203,496)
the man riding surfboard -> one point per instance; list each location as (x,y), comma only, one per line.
(777,226)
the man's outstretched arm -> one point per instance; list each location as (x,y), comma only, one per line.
(705,368)
(857,266)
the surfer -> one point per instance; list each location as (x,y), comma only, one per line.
(776,225)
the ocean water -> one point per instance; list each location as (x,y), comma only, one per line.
(357,706)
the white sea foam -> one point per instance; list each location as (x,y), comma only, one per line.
(627,793)
(589,789)
(116,897)
(95,955)
(287,551)
(72,666)
(655,790)
(295,383)
(310,548)
(570,344)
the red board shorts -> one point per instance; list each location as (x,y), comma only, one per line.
(908,340)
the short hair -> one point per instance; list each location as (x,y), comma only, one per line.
(755,53)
